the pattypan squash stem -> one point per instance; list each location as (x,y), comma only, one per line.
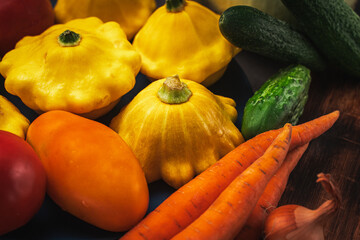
(173,91)
(69,39)
(175,5)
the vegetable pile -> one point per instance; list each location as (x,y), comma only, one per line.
(194,199)
(175,129)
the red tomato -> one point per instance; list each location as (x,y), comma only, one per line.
(19,18)
(22,182)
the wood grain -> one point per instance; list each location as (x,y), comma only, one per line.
(337,152)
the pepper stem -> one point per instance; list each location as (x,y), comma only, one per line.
(175,5)
(173,91)
(69,39)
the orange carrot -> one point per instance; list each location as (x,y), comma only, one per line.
(229,212)
(192,199)
(271,196)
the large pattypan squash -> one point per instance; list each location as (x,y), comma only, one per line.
(177,129)
(11,119)
(130,14)
(183,37)
(83,66)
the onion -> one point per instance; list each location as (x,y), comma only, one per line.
(294,222)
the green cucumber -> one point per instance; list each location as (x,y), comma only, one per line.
(255,31)
(333,27)
(280,100)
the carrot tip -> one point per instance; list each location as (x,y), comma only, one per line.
(336,113)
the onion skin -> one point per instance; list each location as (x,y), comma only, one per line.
(294,222)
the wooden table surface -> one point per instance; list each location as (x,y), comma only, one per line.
(336,152)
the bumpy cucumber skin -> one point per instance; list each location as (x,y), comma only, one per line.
(280,100)
(255,31)
(333,27)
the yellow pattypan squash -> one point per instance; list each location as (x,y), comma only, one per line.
(177,129)
(83,66)
(183,37)
(11,119)
(130,14)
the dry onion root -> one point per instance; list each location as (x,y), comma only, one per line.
(294,222)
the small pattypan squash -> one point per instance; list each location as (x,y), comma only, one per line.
(183,37)
(83,66)
(177,129)
(130,14)
(11,119)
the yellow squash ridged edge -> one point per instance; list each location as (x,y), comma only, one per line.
(188,43)
(175,142)
(86,79)
(11,119)
(130,14)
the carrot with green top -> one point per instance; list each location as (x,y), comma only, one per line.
(271,196)
(192,199)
